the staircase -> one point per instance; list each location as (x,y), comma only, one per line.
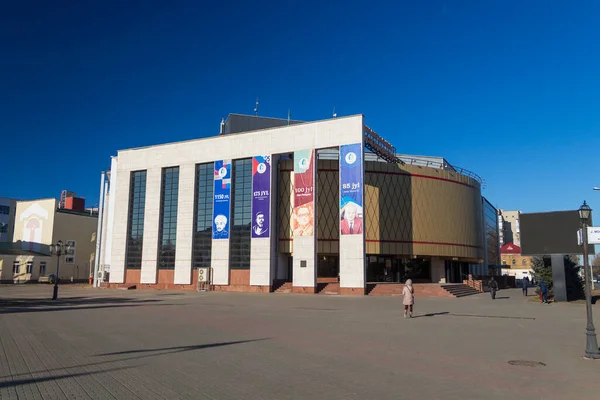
(328,288)
(385,289)
(460,290)
(282,287)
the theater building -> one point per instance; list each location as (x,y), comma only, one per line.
(289,206)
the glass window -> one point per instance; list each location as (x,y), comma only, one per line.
(202,242)
(5,210)
(135,230)
(16,267)
(43,268)
(168,218)
(29,267)
(239,243)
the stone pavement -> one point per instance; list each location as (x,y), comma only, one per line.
(113,344)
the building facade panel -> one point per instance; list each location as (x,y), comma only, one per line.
(151,226)
(185,224)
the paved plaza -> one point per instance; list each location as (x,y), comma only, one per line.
(115,344)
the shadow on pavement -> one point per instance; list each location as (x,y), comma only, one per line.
(177,349)
(11,306)
(27,381)
(154,353)
(431,314)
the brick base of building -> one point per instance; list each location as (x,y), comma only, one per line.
(304,289)
(352,291)
(242,288)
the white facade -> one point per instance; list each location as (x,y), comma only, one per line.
(185,155)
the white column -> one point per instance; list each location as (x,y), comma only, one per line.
(352,246)
(116,232)
(260,248)
(185,225)
(151,223)
(219,260)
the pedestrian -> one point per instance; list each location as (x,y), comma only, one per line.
(409,298)
(493,287)
(544,291)
(525,284)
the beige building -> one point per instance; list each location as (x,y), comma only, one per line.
(515,264)
(39,223)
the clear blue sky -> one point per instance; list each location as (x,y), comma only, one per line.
(508,89)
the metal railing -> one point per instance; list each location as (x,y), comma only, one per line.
(445,166)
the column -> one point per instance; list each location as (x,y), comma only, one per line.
(148,273)
(352,225)
(221,222)
(262,222)
(304,221)
(116,231)
(185,225)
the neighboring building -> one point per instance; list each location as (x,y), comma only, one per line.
(62,202)
(509,227)
(39,223)
(492,240)
(264,207)
(515,264)
(7,219)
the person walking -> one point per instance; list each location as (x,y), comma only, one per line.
(544,292)
(409,298)
(525,284)
(493,287)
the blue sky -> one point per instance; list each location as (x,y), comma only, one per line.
(507,89)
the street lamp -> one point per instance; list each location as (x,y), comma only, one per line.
(58,249)
(591,347)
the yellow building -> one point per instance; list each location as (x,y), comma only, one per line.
(39,223)
(515,264)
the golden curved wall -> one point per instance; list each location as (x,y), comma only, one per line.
(409,210)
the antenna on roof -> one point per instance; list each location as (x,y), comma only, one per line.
(334,113)
(222,126)
(289,115)
(256,108)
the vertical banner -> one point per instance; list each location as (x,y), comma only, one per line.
(222,196)
(261,196)
(304,200)
(351,191)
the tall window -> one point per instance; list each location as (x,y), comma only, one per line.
(43,268)
(16,267)
(29,267)
(167,234)
(203,215)
(135,227)
(239,244)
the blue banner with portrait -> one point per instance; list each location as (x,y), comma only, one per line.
(261,196)
(351,189)
(221,200)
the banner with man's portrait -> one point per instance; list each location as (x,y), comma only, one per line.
(351,189)
(304,190)
(221,201)
(261,195)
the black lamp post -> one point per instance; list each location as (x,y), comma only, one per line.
(591,346)
(58,249)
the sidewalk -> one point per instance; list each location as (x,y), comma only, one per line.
(170,345)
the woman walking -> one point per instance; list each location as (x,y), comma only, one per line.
(409,298)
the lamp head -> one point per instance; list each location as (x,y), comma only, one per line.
(584,212)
